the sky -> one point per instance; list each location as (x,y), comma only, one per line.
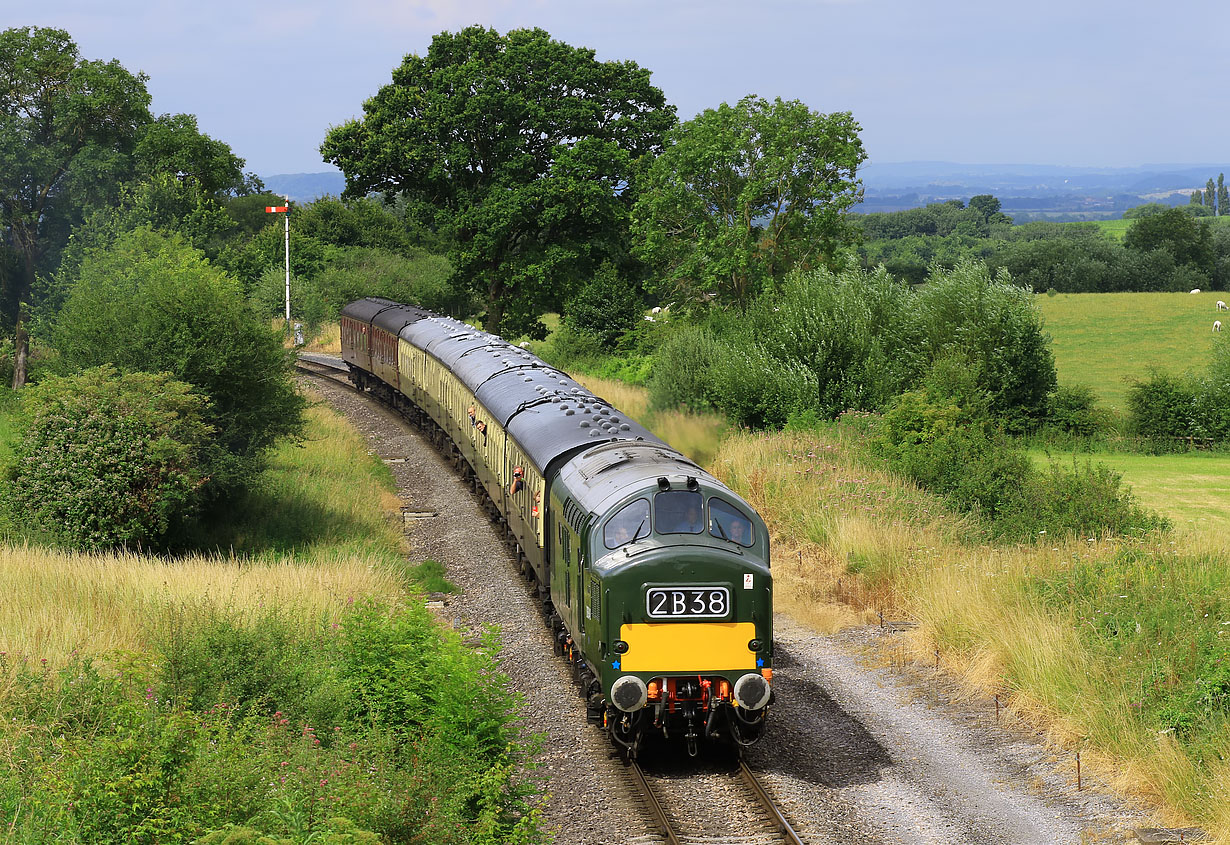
(1106,83)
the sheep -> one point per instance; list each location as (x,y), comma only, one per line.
(1217,325)
(1221,306)
(656,310)
(525,344)
(1195,290)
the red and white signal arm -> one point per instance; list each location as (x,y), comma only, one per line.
(272,208)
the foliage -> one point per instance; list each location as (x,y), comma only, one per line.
(349,273)
(942,437)
(395,758)
(1188,240)
(994,325)
(67,133)
(152,303)
(605,308)
(172,145)
(744,194)
(1166,408)
(853,340)
(683,369)
(107,459)
(938,218)
(529,176)
(1073,409)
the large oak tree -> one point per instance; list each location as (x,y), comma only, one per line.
(742,194)
(523,151)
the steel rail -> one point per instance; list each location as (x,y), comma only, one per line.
(775,815)
(651,801)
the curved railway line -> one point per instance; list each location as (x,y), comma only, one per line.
(665,814)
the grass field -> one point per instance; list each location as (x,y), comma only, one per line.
(1118,228)
(1190,488)
(1103,340)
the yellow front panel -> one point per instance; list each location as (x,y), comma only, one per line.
(687,646)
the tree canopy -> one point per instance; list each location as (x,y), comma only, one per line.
(523,151)
(67,131)
(1187,239)
(743,194)
(150,302)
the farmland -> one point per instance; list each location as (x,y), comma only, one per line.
(1104,340)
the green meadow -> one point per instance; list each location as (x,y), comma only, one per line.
(1104,340)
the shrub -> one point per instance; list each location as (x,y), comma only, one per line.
(996,326)
(419,744)
(1163,407)
(605,308)
(150,302)
(942,438)
(1073,409)
(106,459)
(683,370)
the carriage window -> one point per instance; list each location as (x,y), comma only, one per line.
(629,524)
(678,512)
(727,522)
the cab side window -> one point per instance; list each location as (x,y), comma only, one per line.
(630,523)
(678,512)
(728,523)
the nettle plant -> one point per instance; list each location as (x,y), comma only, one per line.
(107,459)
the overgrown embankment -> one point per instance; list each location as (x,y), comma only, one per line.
(297,689)
(1118,647)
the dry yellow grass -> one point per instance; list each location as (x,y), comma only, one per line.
(55,603)
(850,541)
(695,435)
(326,341)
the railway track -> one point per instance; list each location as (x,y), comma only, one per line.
(751,815)
(324,366)
(773,825)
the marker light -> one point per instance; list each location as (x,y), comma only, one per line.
(620,647)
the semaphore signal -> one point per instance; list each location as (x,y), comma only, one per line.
(273,209)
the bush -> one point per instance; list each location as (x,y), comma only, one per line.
(106,459)
(683,370)
(605,308)
(942,438)
(1163,407)
(154,304)
(1073,409)
(997,327)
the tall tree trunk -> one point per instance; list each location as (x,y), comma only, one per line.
(495,304)
(21,342)
(21,351)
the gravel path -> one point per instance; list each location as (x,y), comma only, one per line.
(853,753)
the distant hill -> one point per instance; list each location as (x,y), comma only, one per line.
(305,187)
(1033,191)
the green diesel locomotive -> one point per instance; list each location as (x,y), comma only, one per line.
(653,574)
